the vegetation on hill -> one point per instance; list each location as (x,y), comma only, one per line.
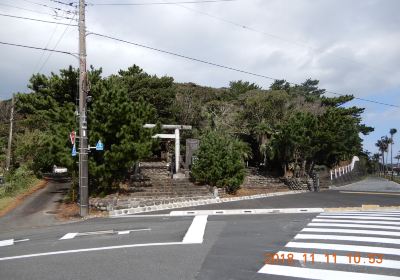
(286,128)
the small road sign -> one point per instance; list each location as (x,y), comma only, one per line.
(73,150)
(99,146)
(72,137)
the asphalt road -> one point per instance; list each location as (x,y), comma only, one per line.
(365,245)
(38,210)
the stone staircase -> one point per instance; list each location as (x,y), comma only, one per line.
(155,182)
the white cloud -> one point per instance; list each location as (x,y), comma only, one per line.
(354,43)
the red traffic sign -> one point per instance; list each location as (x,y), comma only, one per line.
(72,137)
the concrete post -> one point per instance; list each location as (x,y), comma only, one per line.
(177,150)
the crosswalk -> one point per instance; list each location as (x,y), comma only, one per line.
(351,245)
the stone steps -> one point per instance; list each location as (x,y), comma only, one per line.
(156,182)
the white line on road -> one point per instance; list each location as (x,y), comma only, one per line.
(343,247)
(374,193)
(70,235)
(352,226)
(90,250)
(355,222)
(383,214)
(7,242)
(21,240)
(349,238)
(194,235)
(360,217)
(196,230)
(324,274)
(10,242)
(322,258)
(246,211)
(359,231)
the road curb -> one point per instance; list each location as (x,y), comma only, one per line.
(366,207)
(175,205)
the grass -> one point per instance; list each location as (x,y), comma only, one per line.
(19,184)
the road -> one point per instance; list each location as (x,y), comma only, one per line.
(38,210)
(366,245)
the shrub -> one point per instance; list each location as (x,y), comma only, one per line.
(220,161)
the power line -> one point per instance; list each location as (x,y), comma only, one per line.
(71,4)
(38,48)
(55,46)
(224,66)
(159,3)
(47,6)
(249,28)
(43,52)
(33,11)
(38,20)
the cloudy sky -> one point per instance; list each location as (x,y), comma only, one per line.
(351,46)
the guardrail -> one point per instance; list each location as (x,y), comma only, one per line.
(340,171)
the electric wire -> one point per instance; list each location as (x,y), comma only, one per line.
(299,43)
(39,48)
(226,67)
(49,7)
(70,4)
(33,11)
(55,46)
(159,3)
(46,46)
(38,20)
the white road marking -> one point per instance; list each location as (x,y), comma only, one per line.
(90,250)
(360,214)
(361,217)
(322,258)
(70,235)
(352,226)
(194,235)
(349,238)
(324,274)
(374,193)
(355,222)
(343,247)
(7,242)
(133,230)
(340,230)
(246,211)
(21,240)
(196,230)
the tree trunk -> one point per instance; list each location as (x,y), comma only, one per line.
(383,165)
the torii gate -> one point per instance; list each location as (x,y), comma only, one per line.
(175,136)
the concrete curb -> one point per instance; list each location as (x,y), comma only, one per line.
(146,209)
(367,207)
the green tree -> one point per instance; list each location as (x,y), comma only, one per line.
(392,132)
(159,92)
(220,161)
(383,145)
(118,122)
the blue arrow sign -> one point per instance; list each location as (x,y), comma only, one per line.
(99,146)
(73,150)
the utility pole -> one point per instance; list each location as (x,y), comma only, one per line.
(83,138)
(10,134)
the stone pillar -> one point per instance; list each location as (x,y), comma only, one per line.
(177,150)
